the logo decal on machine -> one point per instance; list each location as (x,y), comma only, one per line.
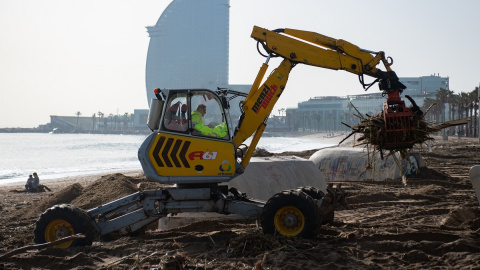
(202,155)
(225,166)
(178,154)
(265,97)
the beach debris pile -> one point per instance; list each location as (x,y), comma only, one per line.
(373,134)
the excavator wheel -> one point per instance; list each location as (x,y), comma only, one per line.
(61,221)
(290,213)
(317,194)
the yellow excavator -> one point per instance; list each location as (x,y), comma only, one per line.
(196,152)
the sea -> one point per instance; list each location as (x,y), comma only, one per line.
(58,156)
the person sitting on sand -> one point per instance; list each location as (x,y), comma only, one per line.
(36,181)
(33,184)
(29,184)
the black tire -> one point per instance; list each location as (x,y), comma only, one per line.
(290,213)
(313,192)
(61,221)
(317,194)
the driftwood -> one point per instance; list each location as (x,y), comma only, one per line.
(40,188)
(372,132)
(41,246)
(451,124)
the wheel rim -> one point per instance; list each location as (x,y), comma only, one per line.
(289,221)
(58,229)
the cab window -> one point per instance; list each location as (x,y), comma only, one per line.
(176,114)
(207,116)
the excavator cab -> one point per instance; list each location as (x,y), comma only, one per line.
(191,140)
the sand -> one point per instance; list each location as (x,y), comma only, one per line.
(431,223)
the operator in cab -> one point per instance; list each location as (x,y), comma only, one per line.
(219,131)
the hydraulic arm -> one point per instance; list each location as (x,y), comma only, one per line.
(310,48)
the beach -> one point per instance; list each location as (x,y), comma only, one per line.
(431,222)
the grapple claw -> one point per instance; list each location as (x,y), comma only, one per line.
(398,123)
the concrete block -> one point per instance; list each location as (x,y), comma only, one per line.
(266,176)
(350,164)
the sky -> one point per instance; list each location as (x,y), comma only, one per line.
(59,57)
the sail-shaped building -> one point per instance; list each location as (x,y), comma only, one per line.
(189,46)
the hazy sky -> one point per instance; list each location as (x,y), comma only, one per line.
(58,57)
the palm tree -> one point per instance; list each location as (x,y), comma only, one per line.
(100,114)
(132,120)
(426,104)
(454,104)
(125,120)
(475,122)
(78,113)
(94,120)
(110,117)
(442,97)
(464,100)
(116,121)
(472,97)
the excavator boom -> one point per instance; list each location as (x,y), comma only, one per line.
(310,48)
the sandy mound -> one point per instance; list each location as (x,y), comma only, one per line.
(65,195)
(104,190)
(464,217)
(430,190)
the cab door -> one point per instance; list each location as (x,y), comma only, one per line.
(183,147)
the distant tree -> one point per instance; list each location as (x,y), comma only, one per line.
(442,97)
(476,113)
(115,118)
(453,103)
(110,117)
(94,121)
(427,103)
(78,113)
(472,97)
(100,115)
(463,112)
(125,120)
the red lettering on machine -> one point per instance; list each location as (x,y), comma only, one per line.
(265,97)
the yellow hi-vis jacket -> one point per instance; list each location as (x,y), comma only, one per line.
(218,131)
